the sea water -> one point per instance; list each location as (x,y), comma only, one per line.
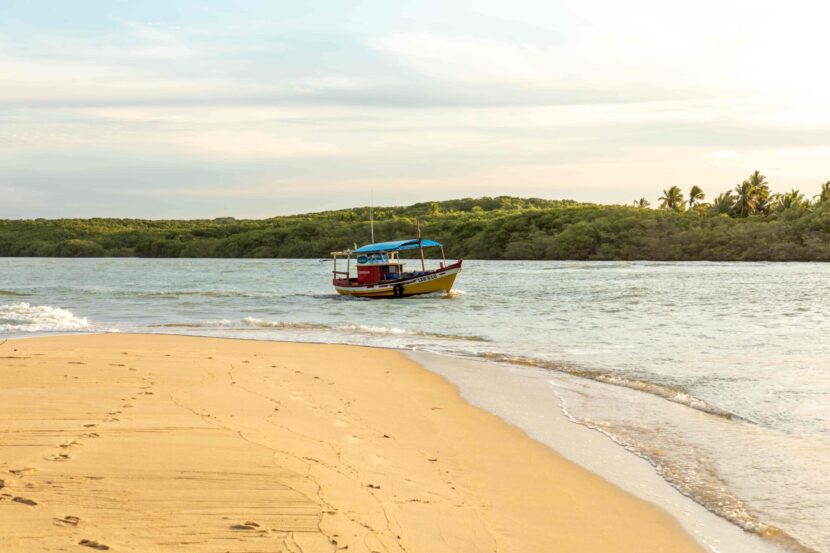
(717,373)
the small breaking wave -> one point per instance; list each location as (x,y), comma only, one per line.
(360,329)
(13,294)
(262,323)
(674,394)
(176,294)
(23,317)
(253,322)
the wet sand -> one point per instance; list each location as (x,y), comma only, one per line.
(167,443)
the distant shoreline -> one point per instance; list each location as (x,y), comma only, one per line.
(485,228)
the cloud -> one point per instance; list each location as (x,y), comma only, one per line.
(227,115)
(471,59)
(156,65)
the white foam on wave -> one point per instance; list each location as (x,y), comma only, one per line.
(323,331)
(369,329)
(23,317)
(262,323)
(357,329)
(352,328)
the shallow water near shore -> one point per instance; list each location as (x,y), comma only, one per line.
(717,373)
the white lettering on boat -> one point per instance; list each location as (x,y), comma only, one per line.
(427,278)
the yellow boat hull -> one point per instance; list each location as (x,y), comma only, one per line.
(438,281)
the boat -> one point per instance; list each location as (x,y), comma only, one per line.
(380,271)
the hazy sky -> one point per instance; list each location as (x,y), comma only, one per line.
(245,108)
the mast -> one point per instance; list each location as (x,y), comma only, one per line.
(421,246)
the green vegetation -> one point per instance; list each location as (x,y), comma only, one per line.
(748,223)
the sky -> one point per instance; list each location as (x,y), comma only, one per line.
(213,108)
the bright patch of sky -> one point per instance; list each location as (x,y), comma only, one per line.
(255,108)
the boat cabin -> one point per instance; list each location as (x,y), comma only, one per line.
(378,267)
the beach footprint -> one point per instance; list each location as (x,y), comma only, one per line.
(68,520)
(59,457)
(248,525)
(22,472)
(92,544)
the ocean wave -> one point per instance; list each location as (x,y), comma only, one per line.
(173,294)
(22,317)
(671,393)
(14,294)
(370,330)
(247,322)
(262,323)
(359,329)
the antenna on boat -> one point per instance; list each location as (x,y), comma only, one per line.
(372,213)
(421,245)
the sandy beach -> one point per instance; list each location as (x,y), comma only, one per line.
(166,443)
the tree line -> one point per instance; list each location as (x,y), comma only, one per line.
(750,197)
(749,223)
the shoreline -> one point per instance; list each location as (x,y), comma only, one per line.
(636,475)
(514,509)
(499,387)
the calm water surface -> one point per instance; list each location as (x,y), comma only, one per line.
(719,373)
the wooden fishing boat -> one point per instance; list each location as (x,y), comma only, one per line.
(380,271)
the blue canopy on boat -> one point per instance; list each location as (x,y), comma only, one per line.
(397,245)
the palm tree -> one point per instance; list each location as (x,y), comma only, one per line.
(761,189)
(788,200)
(672,199)
(752,195)
(642,203)
(744,199)
(696,195)
(724,203)
(824,195)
